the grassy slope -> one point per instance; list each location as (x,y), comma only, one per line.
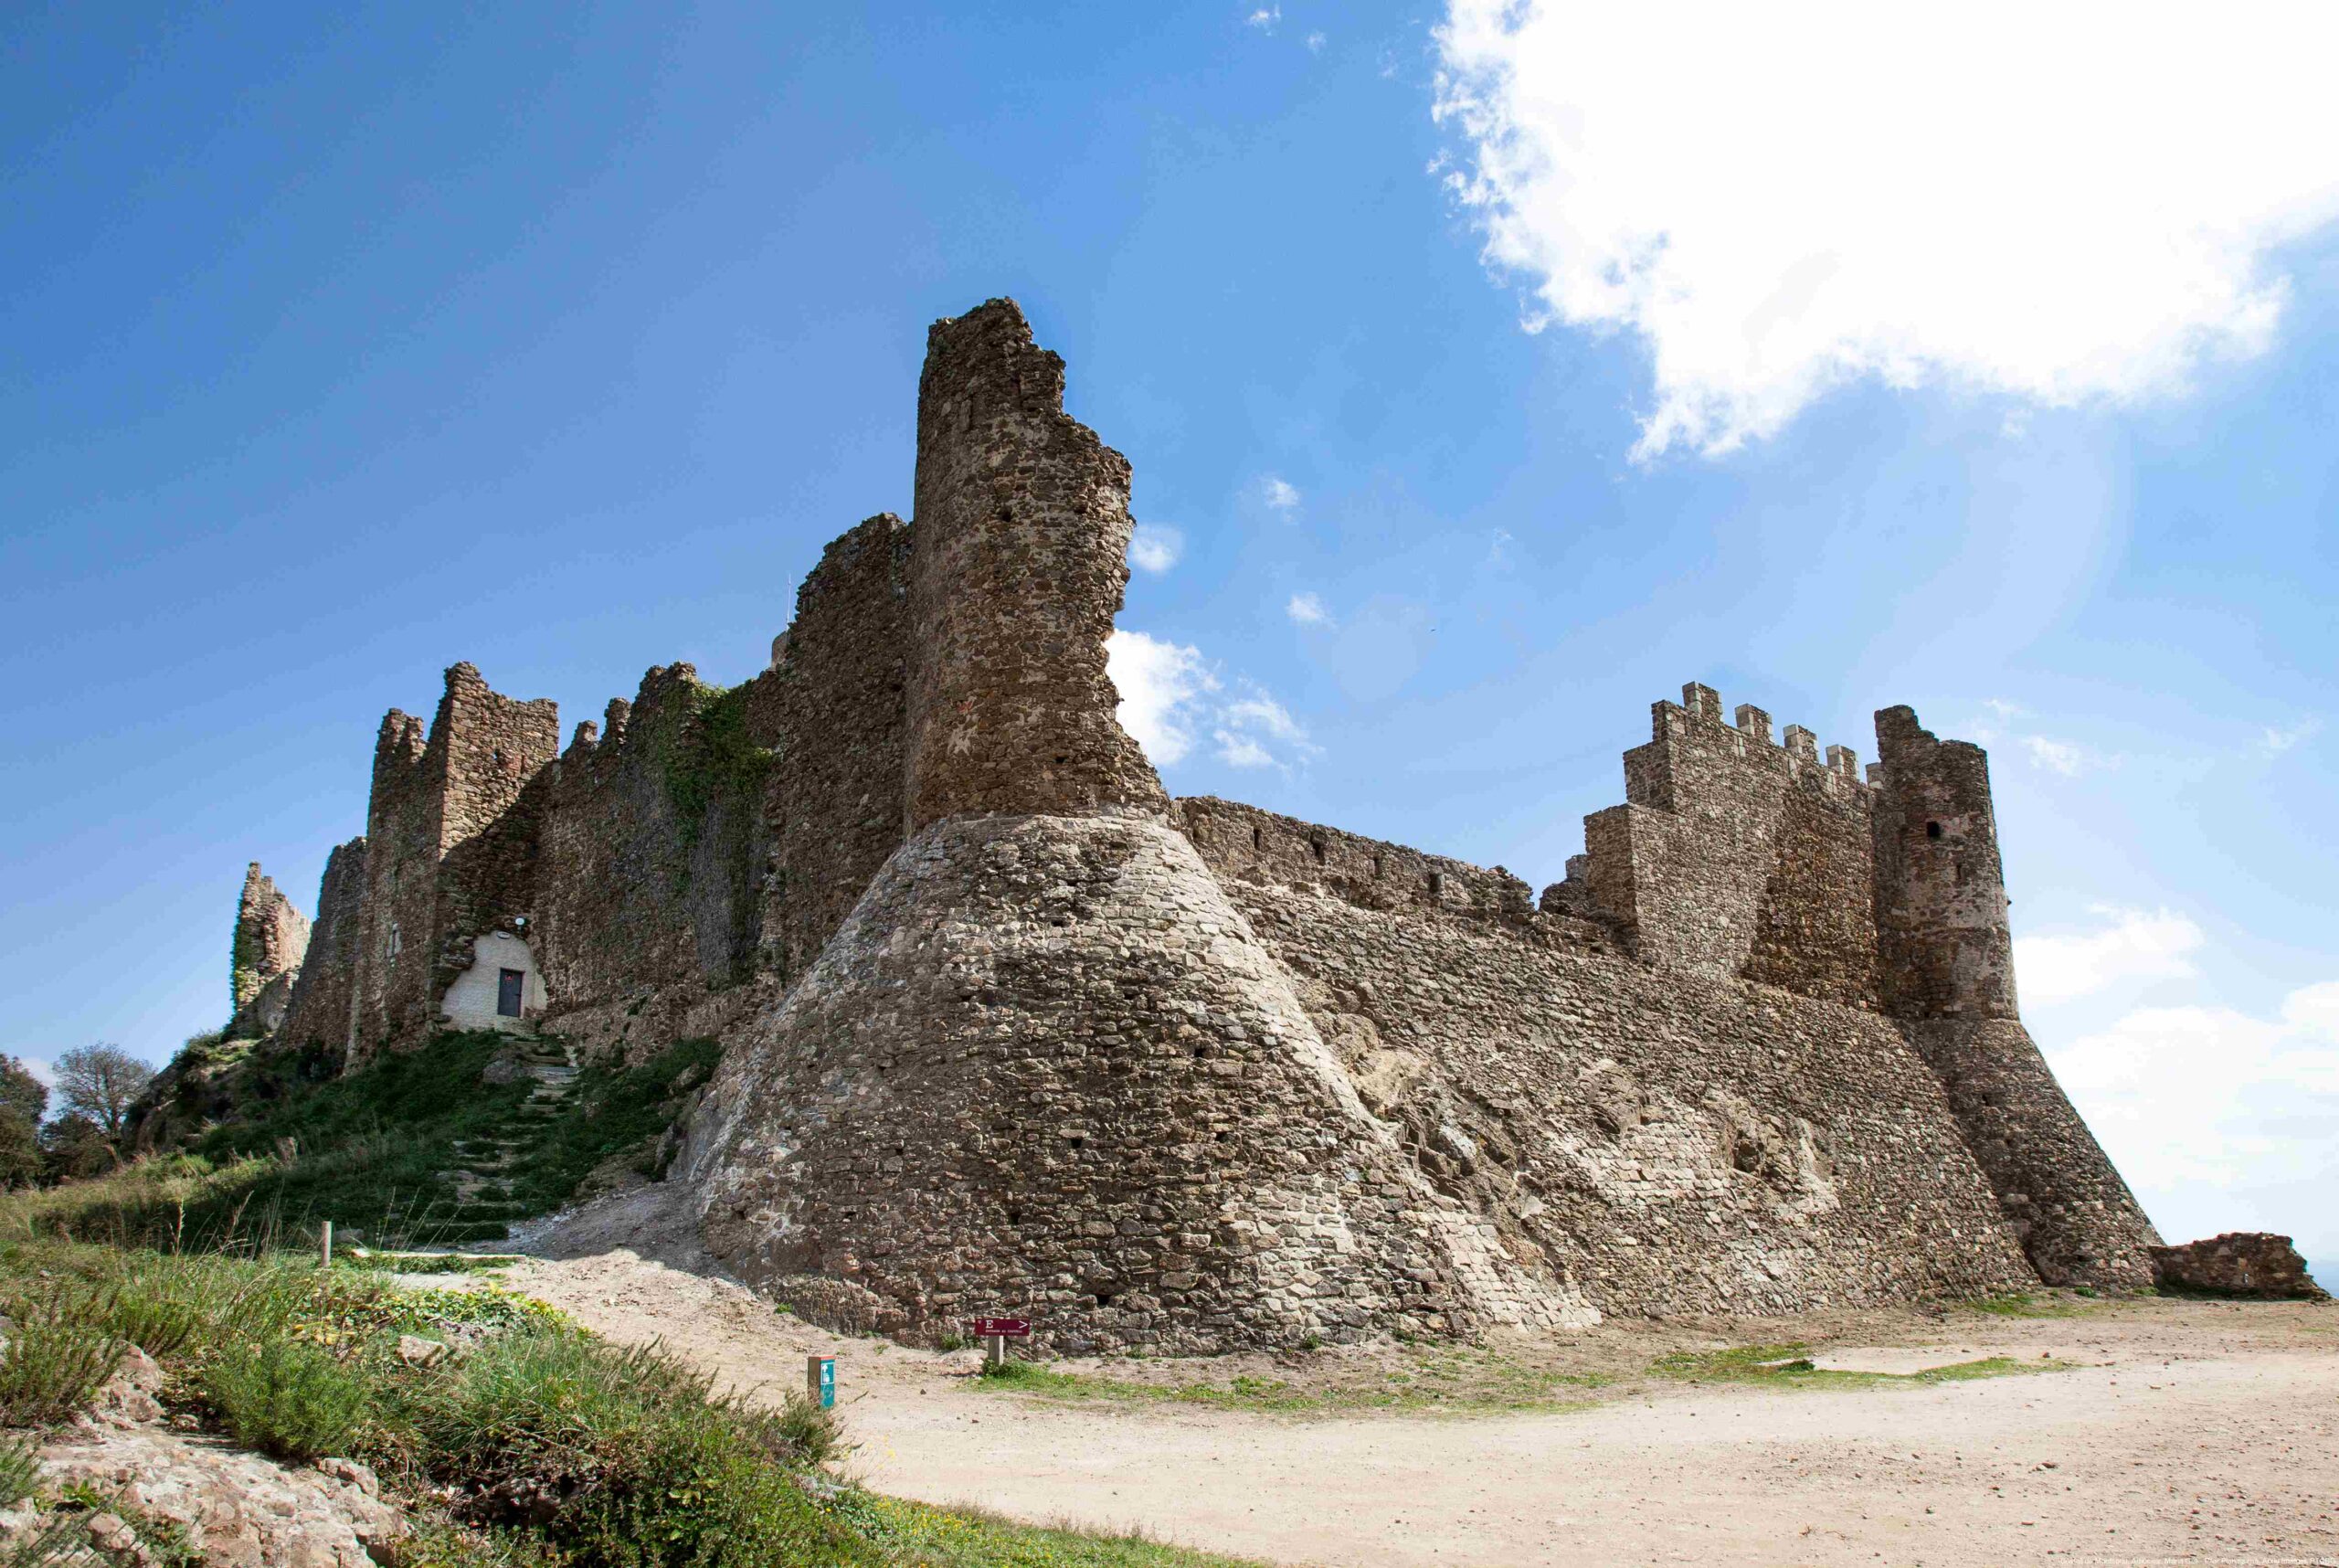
(373,1152)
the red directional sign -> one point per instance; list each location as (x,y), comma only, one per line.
(1002,1328)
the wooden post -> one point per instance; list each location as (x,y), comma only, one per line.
(995,1352)
(324,1246)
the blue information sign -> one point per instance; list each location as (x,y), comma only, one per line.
(828,1382)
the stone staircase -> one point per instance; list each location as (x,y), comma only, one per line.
(481,1207)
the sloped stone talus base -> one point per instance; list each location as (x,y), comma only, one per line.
(1045,1070)
(2076,1218)
(1677,1143)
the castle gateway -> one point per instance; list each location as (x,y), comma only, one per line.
(1009,1029)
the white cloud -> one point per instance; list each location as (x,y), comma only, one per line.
(1164,688)
(2279,740)
(1282,496)
(1264,19)
(1155,546)
(2132,945)
(1256,731)
(1243,751)
(2187,1095)
(1306,609)
(2055,204)
(2003,708)
(1170,694)
(1316,43)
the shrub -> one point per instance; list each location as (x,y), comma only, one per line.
(624,1457)
(55,1361)
(286,1398)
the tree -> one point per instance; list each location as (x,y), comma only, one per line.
(74,1148)
(24,1100)
(99,1082)
(21,1093)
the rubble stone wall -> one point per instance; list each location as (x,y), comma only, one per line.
(835,801)
(319,1011)
(2238,1263)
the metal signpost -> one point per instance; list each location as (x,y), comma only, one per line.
(998,1332)
(820,1381)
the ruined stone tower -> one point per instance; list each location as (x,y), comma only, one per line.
(1020,562)
(451,837)
(271,938)
(1045,1065)
(1948,970)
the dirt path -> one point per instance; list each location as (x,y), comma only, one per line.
(2193,1433)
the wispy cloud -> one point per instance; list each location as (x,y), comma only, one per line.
(1256,731)
(2126,945)
(2068,758)
(1279,494)
(1170,696)
(1265,18)
(2279,740)
(1695,195)
(1306,609)
(1316,43)
(1155,547)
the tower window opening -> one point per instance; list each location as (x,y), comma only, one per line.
(1932,830)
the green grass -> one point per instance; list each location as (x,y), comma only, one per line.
(1458,1381)
(918,1535)
(2026,1305)
(1788,1366)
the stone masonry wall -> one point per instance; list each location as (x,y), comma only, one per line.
(1662,1142)
(1734,855)
(271,937)
(319,1010)
(1022,530)
(835,800)
(1244,843)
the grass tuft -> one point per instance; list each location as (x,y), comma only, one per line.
(55,1361)
(288,1398)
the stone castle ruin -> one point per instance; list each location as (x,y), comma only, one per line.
(1010,1029)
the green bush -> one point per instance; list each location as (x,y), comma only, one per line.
(625,1457)
(56,1359)
(286,1398)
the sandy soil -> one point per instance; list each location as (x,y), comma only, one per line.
(2187,1432)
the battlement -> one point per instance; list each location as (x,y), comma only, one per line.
(1734,854)
(1689,741)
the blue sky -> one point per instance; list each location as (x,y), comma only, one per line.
(339,344)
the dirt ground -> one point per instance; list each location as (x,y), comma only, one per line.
(2176,1431)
